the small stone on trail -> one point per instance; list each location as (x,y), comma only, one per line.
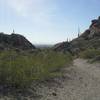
(54,94)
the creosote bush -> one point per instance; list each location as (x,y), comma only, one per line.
(90,53)
(20,69)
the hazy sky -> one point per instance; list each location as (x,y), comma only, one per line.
(47,21)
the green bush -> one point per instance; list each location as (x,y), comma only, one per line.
(90,53)
(20,69)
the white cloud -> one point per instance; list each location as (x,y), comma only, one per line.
(28,6)
(38,11)
(20,6)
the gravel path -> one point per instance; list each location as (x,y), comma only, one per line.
(81,82)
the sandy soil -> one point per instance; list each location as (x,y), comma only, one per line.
(81,82)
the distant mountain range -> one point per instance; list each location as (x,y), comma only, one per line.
(43,45)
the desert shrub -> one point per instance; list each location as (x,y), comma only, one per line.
(90,53)
(20,69)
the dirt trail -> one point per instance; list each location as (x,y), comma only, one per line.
(81,82)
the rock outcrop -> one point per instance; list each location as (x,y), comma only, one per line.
(63,46)
(89,39)
(14,41)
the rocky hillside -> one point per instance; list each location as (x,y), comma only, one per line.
(14,41)
(63,46)
(89,39)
